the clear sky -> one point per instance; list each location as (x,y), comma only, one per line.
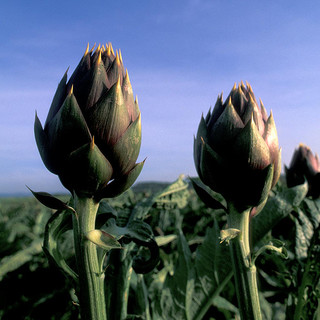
(179,54)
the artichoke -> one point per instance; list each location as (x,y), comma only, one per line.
(92,135)
(236,150)
(304,165)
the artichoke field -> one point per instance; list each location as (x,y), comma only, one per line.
(164,254)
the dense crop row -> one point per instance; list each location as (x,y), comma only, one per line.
(186,282)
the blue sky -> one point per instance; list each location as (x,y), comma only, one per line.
(179,54)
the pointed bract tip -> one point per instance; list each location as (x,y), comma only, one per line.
(92,48)
(252,120)
(127,76)
(87,50)
(36,115)
(239,89)
(136,100)
(111,49)
(66,73)
(117,58)
(119,83)
(71,90)
(103,49)
(99,57)
(120,56)
(139,121)
(99,46)
(92,143)
(108,51)
(234,86)
(302,145)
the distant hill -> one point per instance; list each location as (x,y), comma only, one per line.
(150,186)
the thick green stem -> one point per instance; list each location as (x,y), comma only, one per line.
(91,279)
(243,268)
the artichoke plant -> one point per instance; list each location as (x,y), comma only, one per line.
(91,139)
(237,156)
(92,135)
(304,165)
(236,150)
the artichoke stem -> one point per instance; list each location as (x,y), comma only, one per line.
(91,279)
(243,268)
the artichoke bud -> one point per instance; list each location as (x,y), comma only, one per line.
(98,102)
(88,169)
(236,149)
(304,165)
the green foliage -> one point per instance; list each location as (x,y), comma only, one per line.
(192,280)
(29,288)
(194,285)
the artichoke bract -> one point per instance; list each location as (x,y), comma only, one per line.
(236,150)
(92,135)
(304,165)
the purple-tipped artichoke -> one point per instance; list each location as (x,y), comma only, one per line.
(236,149)
(304,166)
(92,134)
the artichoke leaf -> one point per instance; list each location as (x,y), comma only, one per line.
(87,169)
(250,148)
(212,199)
(109,117)
(103,240)
(121,184)
(125,152)
(58,98)
(226,128)
(212,167)
(43,146)
(68,129)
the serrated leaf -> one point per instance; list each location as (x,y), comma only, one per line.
(311,208)
(276,208)
(176,294)
(304,233)
(179,186)
(185,295)
(308,294)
